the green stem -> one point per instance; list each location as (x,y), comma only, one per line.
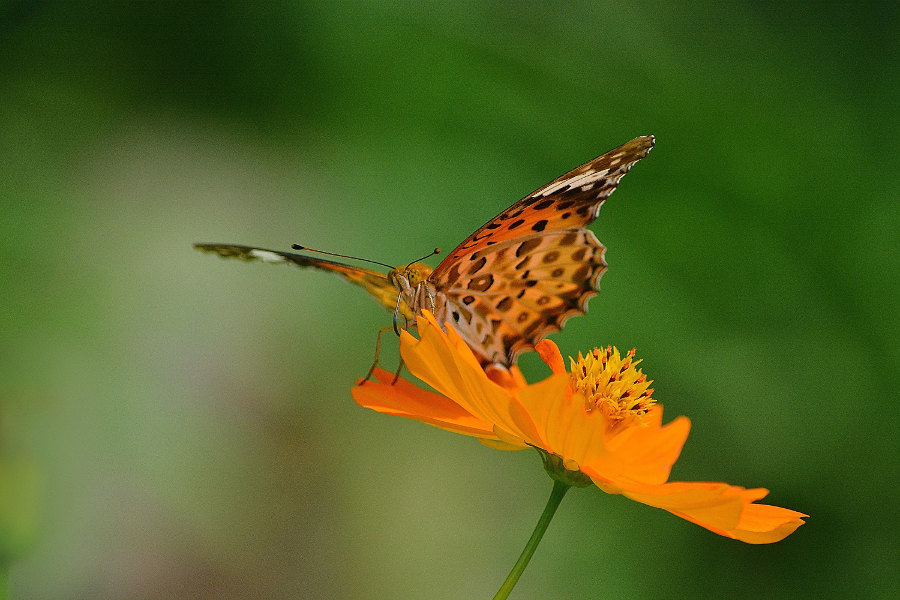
(556,496)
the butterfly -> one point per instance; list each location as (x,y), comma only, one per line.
(518,278)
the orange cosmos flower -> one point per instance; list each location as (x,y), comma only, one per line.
(597,423)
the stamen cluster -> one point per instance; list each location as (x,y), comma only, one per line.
(611,384)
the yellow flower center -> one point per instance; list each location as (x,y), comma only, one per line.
(611,384)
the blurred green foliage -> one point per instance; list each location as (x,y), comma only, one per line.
(189,419)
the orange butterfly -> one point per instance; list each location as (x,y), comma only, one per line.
(518,278)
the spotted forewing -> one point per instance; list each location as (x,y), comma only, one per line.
(522,274)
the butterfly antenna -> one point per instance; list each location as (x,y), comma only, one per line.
(429,255)
(374,262)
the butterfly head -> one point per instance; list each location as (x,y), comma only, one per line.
(411,283)
(409,276)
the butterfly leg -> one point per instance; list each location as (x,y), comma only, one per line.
(368,376)
(431,302)
(397,373)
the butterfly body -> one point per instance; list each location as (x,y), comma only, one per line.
(518,278)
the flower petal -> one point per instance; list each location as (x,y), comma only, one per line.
(764,524)
(404,399)
(445,362)
(511,378)
(564,426)
(645,451)
(515,444)
(724,509)
(549,353)
(548,402)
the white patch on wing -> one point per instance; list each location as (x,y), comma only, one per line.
(266,256)
(588,178)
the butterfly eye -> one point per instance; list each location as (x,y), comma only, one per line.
(413,276)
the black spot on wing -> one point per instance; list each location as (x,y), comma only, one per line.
(581,273)
(569,239)
(550,257)
(477,266)
(482,283)
(527,246)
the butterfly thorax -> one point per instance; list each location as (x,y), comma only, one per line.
(416,292)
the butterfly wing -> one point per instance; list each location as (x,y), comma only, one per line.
(525,295)
(570,201)
(375,283)
(522,274)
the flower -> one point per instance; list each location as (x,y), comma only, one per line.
(596,423)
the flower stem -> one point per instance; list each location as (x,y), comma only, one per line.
(556,496)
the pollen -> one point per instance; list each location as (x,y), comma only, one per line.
(611,384)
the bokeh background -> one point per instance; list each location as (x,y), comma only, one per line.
(173,425)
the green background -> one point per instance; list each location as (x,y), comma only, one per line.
(173,425)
